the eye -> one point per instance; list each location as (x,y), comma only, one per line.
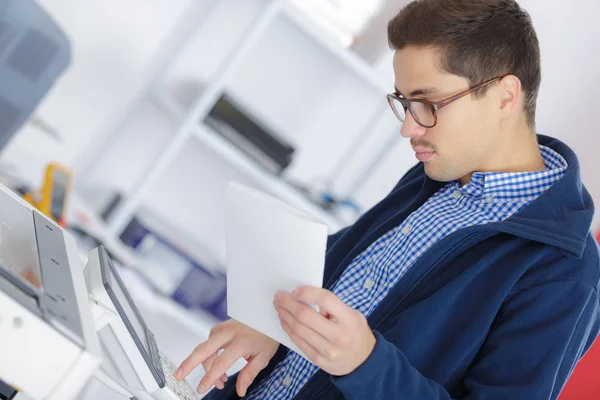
(405,107)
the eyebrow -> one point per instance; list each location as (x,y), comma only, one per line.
(424,91)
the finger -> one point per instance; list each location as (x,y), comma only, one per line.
(208,364)
(202,352)
(218,368)
(324,313)
(209,361)
(220,384)
(315,339)
(309,317)
(249,373)
(326,300)
(310,351)
(327,316)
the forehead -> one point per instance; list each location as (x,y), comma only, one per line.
(418,67)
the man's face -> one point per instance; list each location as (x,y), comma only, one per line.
(467,130)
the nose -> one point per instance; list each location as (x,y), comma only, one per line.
(410,129)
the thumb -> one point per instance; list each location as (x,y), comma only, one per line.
(249,373)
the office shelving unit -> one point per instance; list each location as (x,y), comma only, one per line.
(190,126)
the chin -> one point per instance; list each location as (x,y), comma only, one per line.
(439,173)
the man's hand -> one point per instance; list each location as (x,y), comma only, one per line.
(236,340)
(337,339)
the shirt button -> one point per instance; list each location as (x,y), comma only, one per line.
(287,381)
(457,194)
(490,199)
(406,229)
(369,284)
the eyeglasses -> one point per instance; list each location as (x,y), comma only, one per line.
(424,111)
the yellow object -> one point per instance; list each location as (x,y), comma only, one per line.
(52,198)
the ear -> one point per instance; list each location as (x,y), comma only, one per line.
(510,94)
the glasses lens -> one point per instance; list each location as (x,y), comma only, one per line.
(397,108)
(422,113)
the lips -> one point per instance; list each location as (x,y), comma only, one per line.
(423,155)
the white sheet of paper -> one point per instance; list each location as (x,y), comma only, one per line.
(271,246)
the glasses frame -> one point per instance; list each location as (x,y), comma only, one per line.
(407,103)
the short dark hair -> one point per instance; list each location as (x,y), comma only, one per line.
(479,40)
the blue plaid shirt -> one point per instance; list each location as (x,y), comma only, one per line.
(488,197)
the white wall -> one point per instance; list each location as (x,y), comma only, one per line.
(569,36)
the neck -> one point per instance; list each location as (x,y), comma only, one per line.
(518,152)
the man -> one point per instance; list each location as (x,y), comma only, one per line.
(477,276)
